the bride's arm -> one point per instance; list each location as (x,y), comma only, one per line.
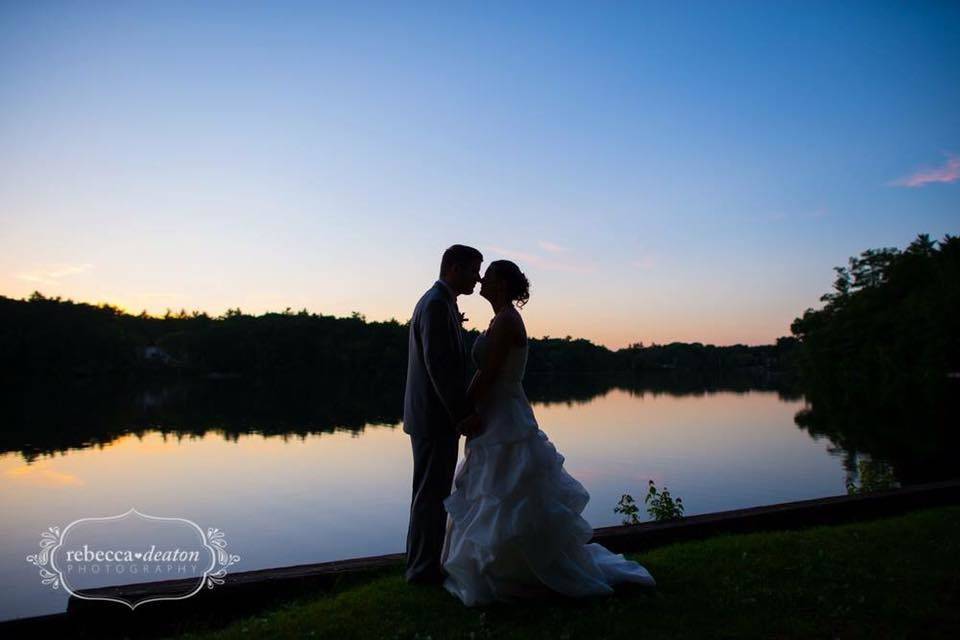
(500,336)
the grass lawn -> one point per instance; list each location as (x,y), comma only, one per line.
(892,578)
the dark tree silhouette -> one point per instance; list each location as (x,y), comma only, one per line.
(44,337)
(878,361)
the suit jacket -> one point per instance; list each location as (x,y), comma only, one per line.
(435,396)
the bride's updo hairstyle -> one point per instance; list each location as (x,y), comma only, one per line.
(516,284)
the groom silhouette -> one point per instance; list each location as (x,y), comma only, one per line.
(435,407)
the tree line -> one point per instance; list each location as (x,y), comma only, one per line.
(889,325)
(48,336)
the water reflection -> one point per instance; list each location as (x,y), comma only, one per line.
(42,418)
(307,471)
(917,440)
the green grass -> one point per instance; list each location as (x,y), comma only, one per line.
(890,578)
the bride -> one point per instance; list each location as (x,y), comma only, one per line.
(514,527)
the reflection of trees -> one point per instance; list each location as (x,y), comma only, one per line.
(56,416)
(578,389)
(919,443)
(41,418)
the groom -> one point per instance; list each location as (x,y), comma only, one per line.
(435,408)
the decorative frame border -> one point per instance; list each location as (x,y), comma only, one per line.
(52,539)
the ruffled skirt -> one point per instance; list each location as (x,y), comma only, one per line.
(514,528)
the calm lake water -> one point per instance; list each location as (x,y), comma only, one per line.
(294,495)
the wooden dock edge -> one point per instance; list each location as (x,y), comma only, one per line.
(248,591)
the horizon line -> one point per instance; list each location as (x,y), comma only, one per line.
(183,312)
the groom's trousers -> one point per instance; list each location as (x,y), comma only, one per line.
(434,463)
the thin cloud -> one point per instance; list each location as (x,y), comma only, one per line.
(542,262)
(551,247)
(949,172)
(52,274)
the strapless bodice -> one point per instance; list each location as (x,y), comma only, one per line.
(505,411)
(513,367)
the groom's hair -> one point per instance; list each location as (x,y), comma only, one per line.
(459,254)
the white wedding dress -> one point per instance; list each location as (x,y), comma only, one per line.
(514,527)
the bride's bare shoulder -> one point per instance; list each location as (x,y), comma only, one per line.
(522,334)
(510,322)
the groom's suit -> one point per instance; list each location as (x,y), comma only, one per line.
(435,400)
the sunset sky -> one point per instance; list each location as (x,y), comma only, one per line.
(661,171)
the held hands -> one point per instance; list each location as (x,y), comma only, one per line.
(470,426)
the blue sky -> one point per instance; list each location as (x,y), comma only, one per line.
(661,171)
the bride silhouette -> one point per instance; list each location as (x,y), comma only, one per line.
(514,527)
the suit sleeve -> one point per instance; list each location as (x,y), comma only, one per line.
(441,354)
